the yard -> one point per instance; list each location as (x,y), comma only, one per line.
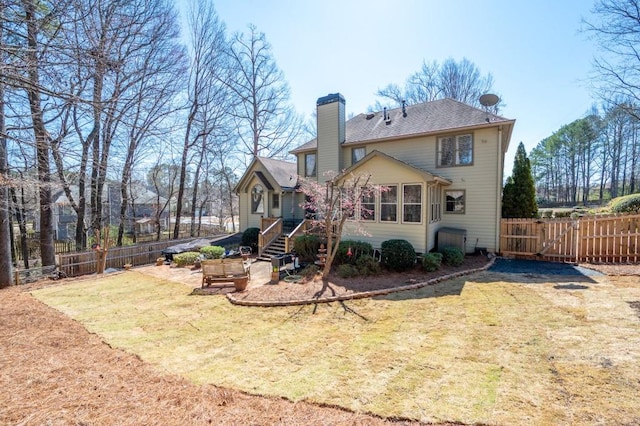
(487,348)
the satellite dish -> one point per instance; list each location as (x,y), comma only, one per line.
(489,100)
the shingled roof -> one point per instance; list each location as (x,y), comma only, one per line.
(284,172)
(430,117)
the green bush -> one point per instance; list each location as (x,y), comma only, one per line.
(347,271)
(398,255)
(212,252)
(186,258)
(367,265)
(250,238)
(452,256)
(306,247)
(358,249)
(626,204)
(431,261)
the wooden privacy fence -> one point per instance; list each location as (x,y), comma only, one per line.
(595,239)
(76,264)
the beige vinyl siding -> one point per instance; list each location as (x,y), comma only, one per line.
(384,172)
(481,192)
(480,182)
(330,127)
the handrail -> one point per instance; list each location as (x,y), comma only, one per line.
(269,235)
(302,227)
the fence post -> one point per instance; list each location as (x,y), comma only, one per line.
(17,276)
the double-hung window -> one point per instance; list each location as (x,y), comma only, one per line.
(357,154)
(389,204)
(412,203)
(368,206)
(435,196)
(310,165)
(455,150)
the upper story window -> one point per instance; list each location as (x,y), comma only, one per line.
(257,199)
(412,203)
(310,165)
(455,150)
(358,154)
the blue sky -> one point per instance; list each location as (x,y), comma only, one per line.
(539,59)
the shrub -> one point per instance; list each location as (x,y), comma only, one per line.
(250,238)
(347,271)
(626,204)
(367,265)
(358,249)
(431,261)
(309,271)
(452,256)
(186,258)
(212,252)
(306,246)
(398,255)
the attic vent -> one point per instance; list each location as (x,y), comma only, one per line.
(370,116)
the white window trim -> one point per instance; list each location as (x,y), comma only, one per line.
(435,203)
(397,203)
(421,203)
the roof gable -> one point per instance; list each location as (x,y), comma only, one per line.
(428,176)
(282,173)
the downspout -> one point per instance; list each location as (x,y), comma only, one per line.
(499,190)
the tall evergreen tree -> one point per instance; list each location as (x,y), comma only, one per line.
(519,194)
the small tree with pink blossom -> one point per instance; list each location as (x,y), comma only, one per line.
(330,204)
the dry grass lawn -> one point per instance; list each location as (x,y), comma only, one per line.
(477,349)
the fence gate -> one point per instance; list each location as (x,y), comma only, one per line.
(607,238)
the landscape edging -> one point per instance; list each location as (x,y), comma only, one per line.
(360,295)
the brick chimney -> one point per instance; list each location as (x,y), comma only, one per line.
(331,133)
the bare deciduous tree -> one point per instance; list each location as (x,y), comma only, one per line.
(616,29)
(461,81)
(208,52)
(266,122)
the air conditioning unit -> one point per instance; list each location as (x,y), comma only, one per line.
(452,237)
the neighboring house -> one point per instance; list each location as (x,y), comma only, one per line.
(442,162)
(145,207)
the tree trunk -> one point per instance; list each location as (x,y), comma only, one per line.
(6,268)
(22,225)
(47,250)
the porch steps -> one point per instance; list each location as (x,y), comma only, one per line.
(275,249)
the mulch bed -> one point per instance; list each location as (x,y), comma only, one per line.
(341,288)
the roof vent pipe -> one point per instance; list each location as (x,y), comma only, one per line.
(404,108)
